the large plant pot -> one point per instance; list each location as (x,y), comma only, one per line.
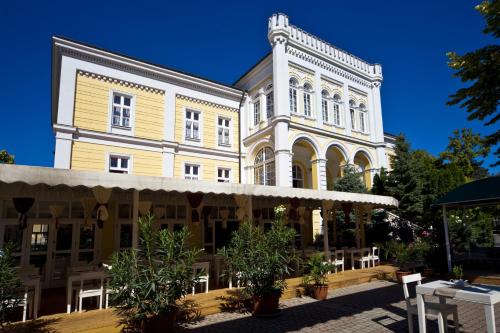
(161,323)
(400,274)
(320,291)
(266,305)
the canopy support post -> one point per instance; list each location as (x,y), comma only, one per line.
(447,239)
(135,219)
(326,247)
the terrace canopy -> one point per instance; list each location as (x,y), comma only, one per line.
(21,181)
(483,192)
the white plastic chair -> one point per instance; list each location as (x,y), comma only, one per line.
(364,258)
(338,259)
(375,255)
(442,311)
(91,285)
(204,269)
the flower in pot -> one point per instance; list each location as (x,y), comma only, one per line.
(147,282)
(262,260)
(317,279)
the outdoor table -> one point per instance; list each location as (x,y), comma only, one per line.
(72,278)
(32,281)
(353,253)
(483,294)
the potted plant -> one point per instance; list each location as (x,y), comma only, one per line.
(9,285)
(458,274)
(262,260)
(318,267)
(147,282)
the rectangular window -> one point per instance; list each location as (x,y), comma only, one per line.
(336,114)
(192,125)
(362,125)
(118,164)
(324,107)
(307,104)
(223,175)
(223,131)
(353,119)
(191,171)
(122,108)
(270,105)
(256,113)
(293,100)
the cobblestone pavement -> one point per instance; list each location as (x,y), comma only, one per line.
(371,307)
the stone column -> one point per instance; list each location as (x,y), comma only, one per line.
(320,166)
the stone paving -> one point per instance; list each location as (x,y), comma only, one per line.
(371,307)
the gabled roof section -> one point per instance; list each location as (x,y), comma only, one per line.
(251,69)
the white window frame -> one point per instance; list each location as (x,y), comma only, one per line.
(325,107)
(292,95)
(294,178)
(117,129)
(352,114)
(269,96)
(223,178)
(363,118)
(200,125)
(224,127)
(307,97)
(256,111)
(120,157)
(265,164)
(191,175)
(336,114)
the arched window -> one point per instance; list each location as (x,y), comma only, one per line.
(324,106)
(269,101)
(293,95)
(307,99)
(297,176)
(352,112)
(264,169)
(336,109)
(362,118)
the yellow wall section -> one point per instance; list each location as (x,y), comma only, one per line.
(209,118)
(92,157)
(92,107)
(208,167)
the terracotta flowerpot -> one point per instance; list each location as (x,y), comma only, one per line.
(266,305)
(427,272)
(161,323)
(400,274)
(320,291)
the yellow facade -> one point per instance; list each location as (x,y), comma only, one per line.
(208,167)
(210,112)
(93,106)
(93,157)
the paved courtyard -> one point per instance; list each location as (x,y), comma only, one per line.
(370,307)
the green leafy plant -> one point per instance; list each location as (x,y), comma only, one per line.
(9,284)
(148,281)
(318,268)
(261,259)
(458,272)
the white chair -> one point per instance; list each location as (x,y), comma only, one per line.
(91,285)
(442,311)
(238,280)
(338,259)
(364,258)
(204,269)
(375,255)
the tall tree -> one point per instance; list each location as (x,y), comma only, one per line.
(5,157)
(465,150)
(481,68)
(379,182)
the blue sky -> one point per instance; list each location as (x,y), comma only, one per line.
(220,40)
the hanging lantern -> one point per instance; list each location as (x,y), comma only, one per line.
(224,214)
(102,196)
(56,212)
(88,205)
(22,206)
(194,200)
(144,208)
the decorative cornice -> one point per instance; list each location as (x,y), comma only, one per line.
(120,82)
(200,101)
(329,67)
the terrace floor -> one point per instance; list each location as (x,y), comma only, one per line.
(353,305)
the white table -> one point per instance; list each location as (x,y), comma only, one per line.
(74,277)
(32,281)
(486,295)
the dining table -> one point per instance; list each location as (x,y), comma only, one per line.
(75,275)
(485,295)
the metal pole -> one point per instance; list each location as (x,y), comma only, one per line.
(447,239)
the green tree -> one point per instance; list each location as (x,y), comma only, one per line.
(5,157)
(465,150)
(351,181)
(9,284)
(379,182)
(482,69)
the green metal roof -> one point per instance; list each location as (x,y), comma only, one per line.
(479,192)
